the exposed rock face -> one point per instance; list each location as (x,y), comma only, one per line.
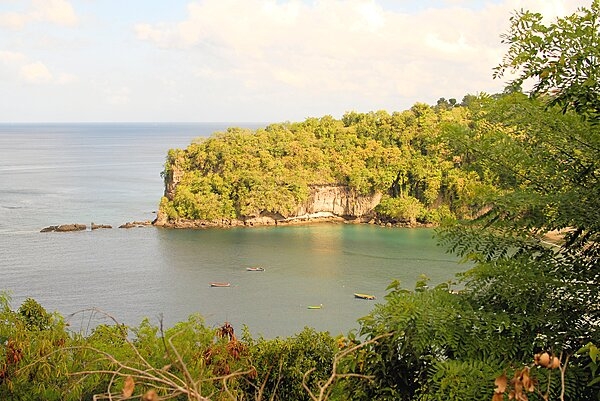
(171,181)
(338,200)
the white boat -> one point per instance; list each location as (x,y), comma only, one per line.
(216,284)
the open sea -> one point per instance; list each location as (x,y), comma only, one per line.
(53,174)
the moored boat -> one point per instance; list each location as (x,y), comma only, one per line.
(315,306)
(364,296)
(255,269)
(215,284)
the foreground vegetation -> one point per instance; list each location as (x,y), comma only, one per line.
(524,325)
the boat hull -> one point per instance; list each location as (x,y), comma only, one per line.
(364,296)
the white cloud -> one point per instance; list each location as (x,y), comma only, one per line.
(352,47)
(13,20)
(8,57)
(59,12)
(19,67)
(36,73)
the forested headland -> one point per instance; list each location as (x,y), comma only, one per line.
(410,158)
(506,169)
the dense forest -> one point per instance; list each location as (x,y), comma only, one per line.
(511,168)
(406,156)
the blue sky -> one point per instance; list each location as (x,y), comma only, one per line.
(245,60)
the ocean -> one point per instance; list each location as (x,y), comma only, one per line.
(54,174)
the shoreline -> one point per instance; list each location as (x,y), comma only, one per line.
(269,221)
(182,224)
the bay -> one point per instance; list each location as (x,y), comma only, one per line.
(110,174)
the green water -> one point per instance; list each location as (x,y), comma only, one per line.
(150,272)
(304,265)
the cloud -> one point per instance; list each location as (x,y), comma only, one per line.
(9,57)
(59,12)
(19,67)
(352,47)
(36,73)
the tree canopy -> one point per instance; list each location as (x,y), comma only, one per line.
(403,155)
(526,299)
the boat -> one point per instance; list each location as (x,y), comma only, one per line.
(315,306)
(255,269)
(215,284)
(364,296)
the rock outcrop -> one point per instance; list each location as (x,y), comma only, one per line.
(133,224)
(64,228)
(340,200)
(100,226)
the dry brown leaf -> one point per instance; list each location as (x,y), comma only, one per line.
(150,396)
(128,387)
(518,390)
(501,382)
(528,383)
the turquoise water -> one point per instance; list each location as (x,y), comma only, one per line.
(110,174)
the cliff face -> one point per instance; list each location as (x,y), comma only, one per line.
(325,202)
(171,181)
(338,200)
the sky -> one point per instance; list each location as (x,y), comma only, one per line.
(246,60)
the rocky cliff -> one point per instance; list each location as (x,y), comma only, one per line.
(324,203)
(338,200)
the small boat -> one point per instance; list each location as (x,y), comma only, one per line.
(214,284)
(255,269)
(364,296)
(315,306)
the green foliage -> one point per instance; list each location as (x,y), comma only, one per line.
(281,364)
(34,315)
(443,345)
(29,367)
(186,361)
(404,208)
(561,58)
(590,352)
(241,173)
(542,154)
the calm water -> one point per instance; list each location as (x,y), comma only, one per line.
(110,174)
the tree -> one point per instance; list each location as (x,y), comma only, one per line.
(522,295)
(562,58)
